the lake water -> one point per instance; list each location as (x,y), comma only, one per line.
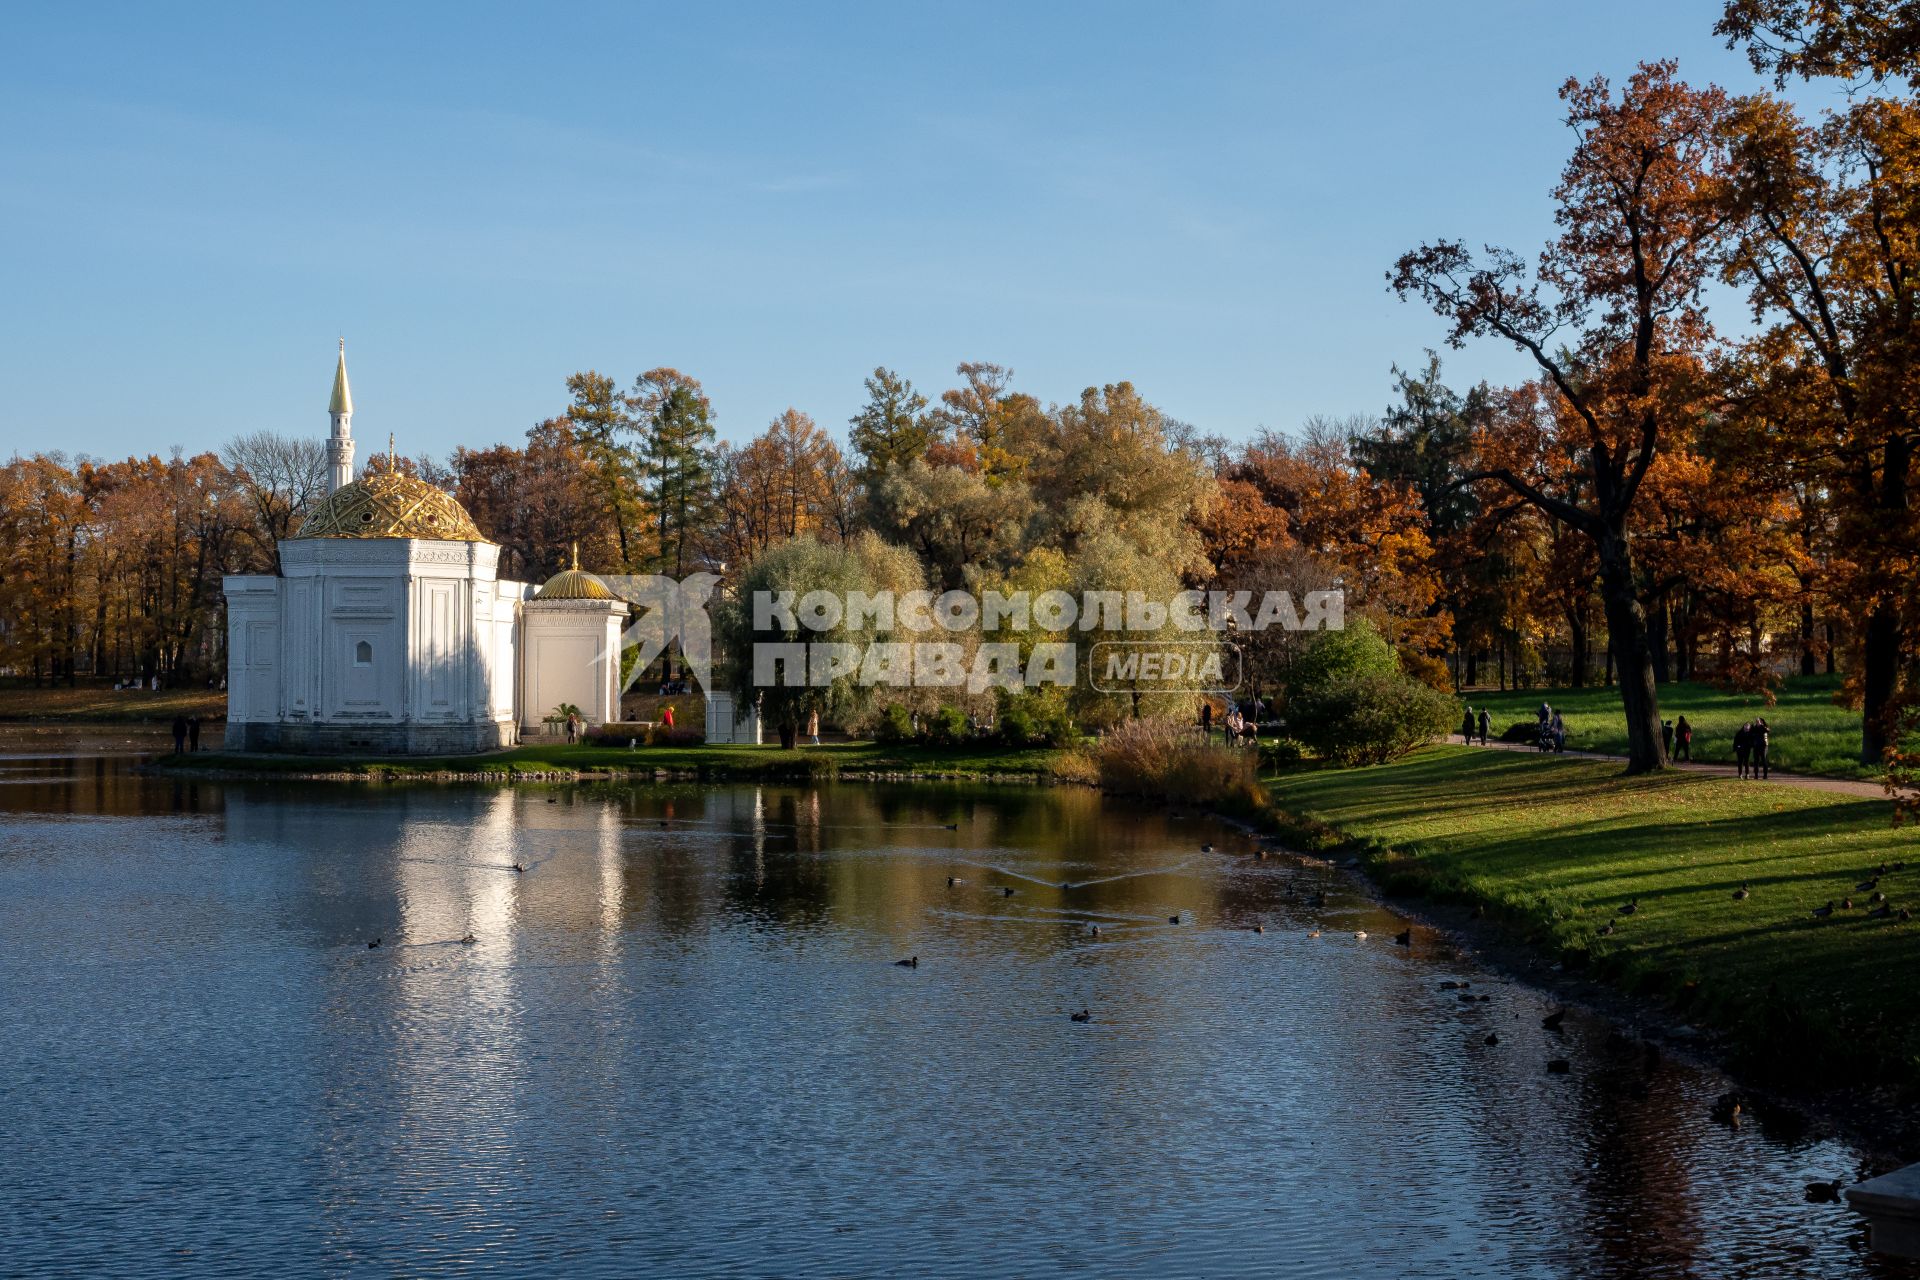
(679,1046)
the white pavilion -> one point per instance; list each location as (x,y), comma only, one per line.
(388,632)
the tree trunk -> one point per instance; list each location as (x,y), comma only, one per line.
(1657,641)
(1473,667)
(1808,665)
(1632,654)
(1577,660)
(1830,647)
(1879,675)
(787,735)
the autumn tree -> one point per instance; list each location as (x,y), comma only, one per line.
(1612,318)
(1827,241)
(1851,39)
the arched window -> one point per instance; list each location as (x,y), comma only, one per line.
(363,654)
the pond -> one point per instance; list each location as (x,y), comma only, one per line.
(679,1044)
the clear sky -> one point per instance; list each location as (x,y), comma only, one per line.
(1203,199)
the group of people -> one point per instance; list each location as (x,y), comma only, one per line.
(186,734)
(1241,729)
(1752,743)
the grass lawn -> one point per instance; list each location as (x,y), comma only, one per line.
(1552,848)
(1810,733)
(717,762)
(97,703)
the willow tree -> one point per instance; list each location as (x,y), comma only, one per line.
(1611,315)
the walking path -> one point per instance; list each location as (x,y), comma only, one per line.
(1805,781)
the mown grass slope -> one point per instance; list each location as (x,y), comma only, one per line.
(1552,848)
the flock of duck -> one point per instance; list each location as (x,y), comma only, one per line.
(1881,907)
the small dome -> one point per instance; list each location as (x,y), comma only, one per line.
(574,584)
(390,504)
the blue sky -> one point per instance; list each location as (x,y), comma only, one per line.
(1203,199)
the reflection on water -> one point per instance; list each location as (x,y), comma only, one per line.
(679,1045)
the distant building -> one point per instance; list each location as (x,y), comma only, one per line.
(388,632)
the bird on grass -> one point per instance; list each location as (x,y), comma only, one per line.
(1085,1015)
(1742,893)
(1821,913)
(1871,882)
(1905,914)
(1884,912)
(1553,1020)
(1404,938)
(1606,930)
(911,962)
(1877,897)
(1846,904)
(1630,908)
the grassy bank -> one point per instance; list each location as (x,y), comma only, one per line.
(701,761)
(1553,848)
(99,703)
(1810,733)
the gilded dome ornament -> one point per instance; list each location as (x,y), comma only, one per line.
(390,504)
(574,584)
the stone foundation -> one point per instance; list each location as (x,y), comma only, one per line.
(370,739)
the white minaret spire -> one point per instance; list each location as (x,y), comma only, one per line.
(340,443)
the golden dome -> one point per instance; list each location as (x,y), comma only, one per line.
(390,504)
(574,584)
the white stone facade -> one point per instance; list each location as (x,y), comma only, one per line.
(387,646)
(570,654)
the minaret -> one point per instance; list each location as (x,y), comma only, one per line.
(340,443)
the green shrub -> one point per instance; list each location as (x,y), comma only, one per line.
(948,727)
(895,725)
(1369,718)
(1028,720)
(1282,753)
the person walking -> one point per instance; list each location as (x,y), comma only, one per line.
(179,735)
(193,733)
(1762,741)
(1742,747)
(573,726)
(1206,721)
(1466,729)
(666,715)
(1558,728)
(1666,737)
(813,727)
(1485,723)
(1683,740)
